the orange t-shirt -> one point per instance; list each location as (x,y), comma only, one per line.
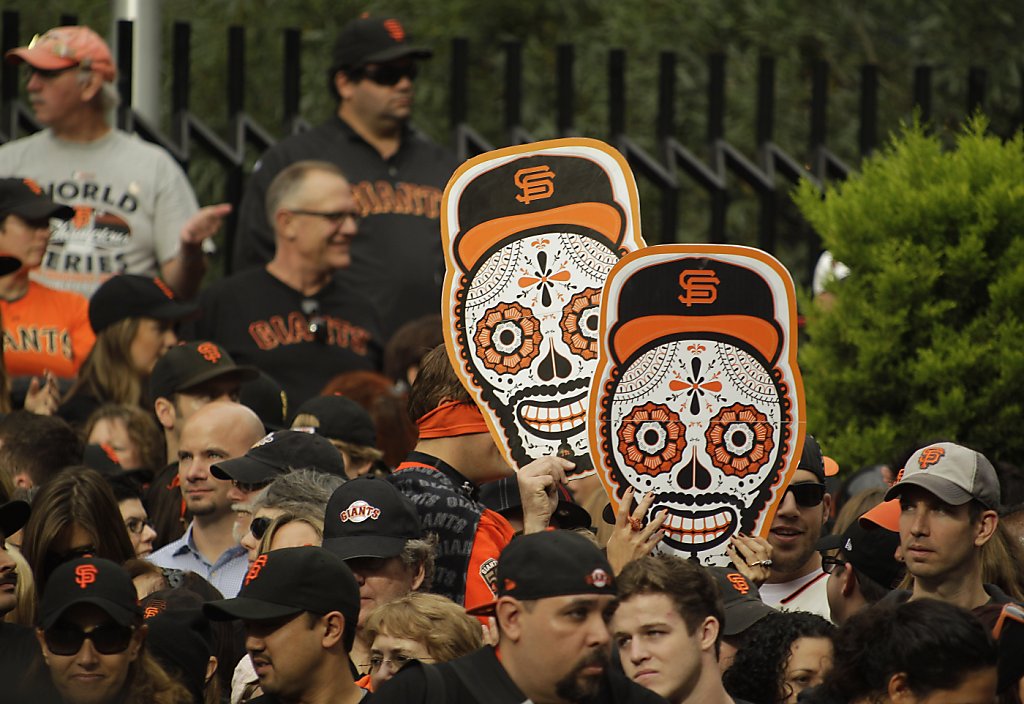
(46,329)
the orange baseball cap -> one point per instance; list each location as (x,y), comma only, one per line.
(64,47)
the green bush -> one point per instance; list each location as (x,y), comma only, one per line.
(924,339)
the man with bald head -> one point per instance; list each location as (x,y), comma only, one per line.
(218,431)
(293,318)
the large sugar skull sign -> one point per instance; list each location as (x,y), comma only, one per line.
(697,396)
(531,234)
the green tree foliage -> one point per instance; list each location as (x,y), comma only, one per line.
(924,338)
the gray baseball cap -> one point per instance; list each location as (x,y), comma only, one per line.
(953,473)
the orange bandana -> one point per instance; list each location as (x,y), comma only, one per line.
(451,419)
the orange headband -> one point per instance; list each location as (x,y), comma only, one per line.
(451,419)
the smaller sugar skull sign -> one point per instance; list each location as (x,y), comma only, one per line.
(531,233)
(697,396)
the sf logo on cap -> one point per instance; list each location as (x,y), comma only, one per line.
(738,582)
(930,456)
(359,511)
(699,286)
(255,568)
(535,182)
(209,352)
(85,575)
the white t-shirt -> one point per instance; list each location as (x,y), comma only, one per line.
(131,201)
(805,593)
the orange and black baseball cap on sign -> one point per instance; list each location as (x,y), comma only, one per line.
(550,563)
(64,47)
(90,580)
(953,473)
(375,40)
(135,296)
(289,581)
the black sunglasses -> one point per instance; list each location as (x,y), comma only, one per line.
(829,563)
(108,639)
(258,526)
(807,494)
(390,74)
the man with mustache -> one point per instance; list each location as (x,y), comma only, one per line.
(553,645)
(18,649)
(293,318)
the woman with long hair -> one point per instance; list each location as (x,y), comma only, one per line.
(133,317)
(74,514)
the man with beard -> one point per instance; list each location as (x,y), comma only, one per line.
(216,432)
(553,645)
(797,582)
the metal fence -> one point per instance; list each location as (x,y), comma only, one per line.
(670,169)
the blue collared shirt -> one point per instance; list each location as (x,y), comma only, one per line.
(226,573)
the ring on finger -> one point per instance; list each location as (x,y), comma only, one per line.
(636,524)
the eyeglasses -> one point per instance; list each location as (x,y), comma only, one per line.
(135,526)
(317,324)
(829,563)
(108,639)
(335,217)
(397,661)
(807,494)
(248,487)
(390,74)
(258,526)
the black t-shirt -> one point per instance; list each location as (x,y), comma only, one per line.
(22,670)
(397,258)
(480,678)
(262,321)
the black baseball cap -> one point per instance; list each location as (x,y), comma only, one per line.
(289,581)
(871,551)
(191,364)
(550,563)
(741,599)
(369,517)
(13,516)
(502,496)
(26,199)
(277,454)
(375,40)
(267,399)
(339,418)
(90,580)
(133,296)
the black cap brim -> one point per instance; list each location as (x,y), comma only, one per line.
(13,517)
(570,516)
(742,615)
(245,469)
(173,310)
(247,609)
(40,208)
(122,615)
(242,372)
(365,546)
(398,52)
(830,542)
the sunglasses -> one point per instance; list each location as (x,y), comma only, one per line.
(390,74)
(109,639)
(258,526)
(48,74)
(807,494)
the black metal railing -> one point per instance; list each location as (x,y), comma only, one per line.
(671,168)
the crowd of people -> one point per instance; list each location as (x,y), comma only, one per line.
(275,488)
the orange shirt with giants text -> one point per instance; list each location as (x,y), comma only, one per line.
(46,329)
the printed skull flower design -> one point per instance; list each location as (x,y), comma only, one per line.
(579,323)
(508,338)
(740,440)
(651,439)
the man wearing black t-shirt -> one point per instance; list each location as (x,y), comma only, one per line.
(293,319)
(19,651)
(397,174)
